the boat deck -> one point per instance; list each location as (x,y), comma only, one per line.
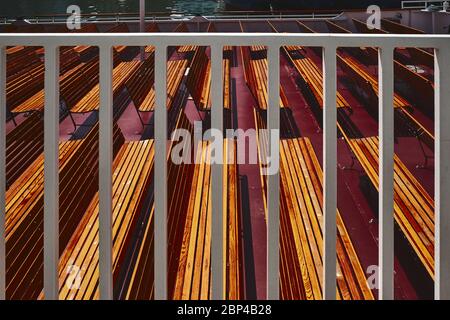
(245,208)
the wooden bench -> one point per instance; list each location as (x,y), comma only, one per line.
(188,221)
(422,86)
(362,27)
(255,73)
(198,80)
(179,177)
(26,89)
(301,223)
(233,226)
(90,102)
(413,206)
(78,176)
(21,87)
(182,27)
(368,55)
(302,230)
(311,75)
(85,242)
(141,85)
(83,50)
(228,53)
(20,58)
(68,59)
(305,29)
(193,279)
(313,79)
(36,102)
(17,50)
(132,169)
(79,85)
(395,27)
(119,28)
(176,70)
(421,56)
(23,145)
(369,84)
(418,55)
(418,85)
(193,272)
(189,215)
(355,71)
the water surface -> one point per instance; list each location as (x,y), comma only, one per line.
(27,8)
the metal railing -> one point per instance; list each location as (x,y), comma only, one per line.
(329,43)
(416,4)
(174,16)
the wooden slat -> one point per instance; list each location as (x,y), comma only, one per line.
(91,101)
(413,206)
(131,180)
(78,180)
(311,75)
(256,71)
(301,223)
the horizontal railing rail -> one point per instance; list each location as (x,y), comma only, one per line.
(416,4)
(174,16)
(329,43)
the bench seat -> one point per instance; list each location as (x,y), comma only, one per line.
(91,101)
(78,176)
(131,179)
(256,73)
(413,206)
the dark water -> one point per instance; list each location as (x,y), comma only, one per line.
(14,8)
(29,8)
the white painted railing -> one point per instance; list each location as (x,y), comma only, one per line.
(329,42)
(174,16)
(416,4)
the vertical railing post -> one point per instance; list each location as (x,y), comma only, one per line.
(442,173)
(329,172)
(217,269)
(2,171)
(105,173)
(273,178)
(160,173)
(51,173)
(142,25)
(386,173)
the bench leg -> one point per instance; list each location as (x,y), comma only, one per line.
(75,125)
(350,111)
(73,122)
(425,156)
(13,118)
(141,120)
(352,164)
(349,167)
